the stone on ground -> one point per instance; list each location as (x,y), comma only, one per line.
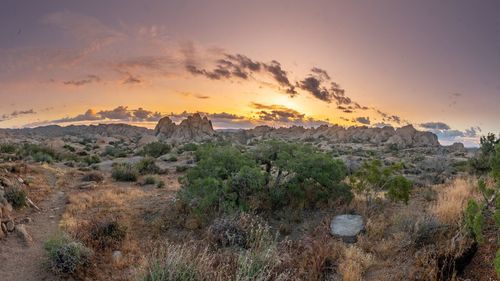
(347,227)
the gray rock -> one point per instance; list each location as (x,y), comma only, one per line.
(347,227)
(117,256)
(23,234)
(10,225)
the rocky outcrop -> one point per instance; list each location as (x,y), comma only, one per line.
(403,137)
(194,128)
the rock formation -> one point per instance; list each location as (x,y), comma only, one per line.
(194,128)
(403,137)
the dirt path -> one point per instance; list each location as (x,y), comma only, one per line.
(20,262)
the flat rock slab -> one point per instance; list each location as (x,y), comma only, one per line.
(347,227)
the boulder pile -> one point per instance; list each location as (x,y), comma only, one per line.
(194,128)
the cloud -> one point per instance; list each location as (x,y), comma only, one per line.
(362,120)
(197,96)
(319,84)
(282,116)
(237,66)
(90,79)
(120,113)
(448,135)
(435,126)
(280,76)
(16,114)
(132,80)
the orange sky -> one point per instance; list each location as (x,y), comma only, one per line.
(433,65)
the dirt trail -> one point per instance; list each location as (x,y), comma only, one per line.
(20,262)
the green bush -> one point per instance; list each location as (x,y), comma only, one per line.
(160,184)
(114,151)
(149,180)
(7,148)
(172,159)
(91,159)
(227,180)
(188,147)
(147,166)
(156,149)
(374,177)
(181,168)
(474,220)
(124,172)
(17,197)
(43,157)
(37,152)
(66,255)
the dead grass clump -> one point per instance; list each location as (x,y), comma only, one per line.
(315,258)
(451,201)
(104,234)
(354,263)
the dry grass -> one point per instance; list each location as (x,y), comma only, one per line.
(354,263)
(452,199)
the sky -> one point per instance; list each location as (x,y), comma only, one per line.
(432,64)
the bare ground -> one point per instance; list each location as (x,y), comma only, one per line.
(21,262)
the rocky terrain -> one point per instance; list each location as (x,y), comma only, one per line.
(127,180)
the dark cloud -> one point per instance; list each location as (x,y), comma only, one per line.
(132,80)
(280,76)
(90,79)
(224,115)
(435,126)
(15,114)
(321,72)
(319,84)
(120,113)
(283,116)
(362,120)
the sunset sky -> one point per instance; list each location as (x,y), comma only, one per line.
(433,64)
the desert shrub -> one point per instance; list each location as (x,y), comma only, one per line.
(66,255)
(227,180)
(93,176)
(160,184)
(156,149)
(124,172)
(7,148)
(181,168)
(37,152)
(354,263)
(301,176)
(172,159)
(91,159)
(42,157)
(114,151)
(149,180)
(69,148)
(177,262)
(426,231)
(474,219)
(373,177)
(481,163)
(451,201)
(107,233)
(147,166)
(16,196)
(226,232)
(188,147)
